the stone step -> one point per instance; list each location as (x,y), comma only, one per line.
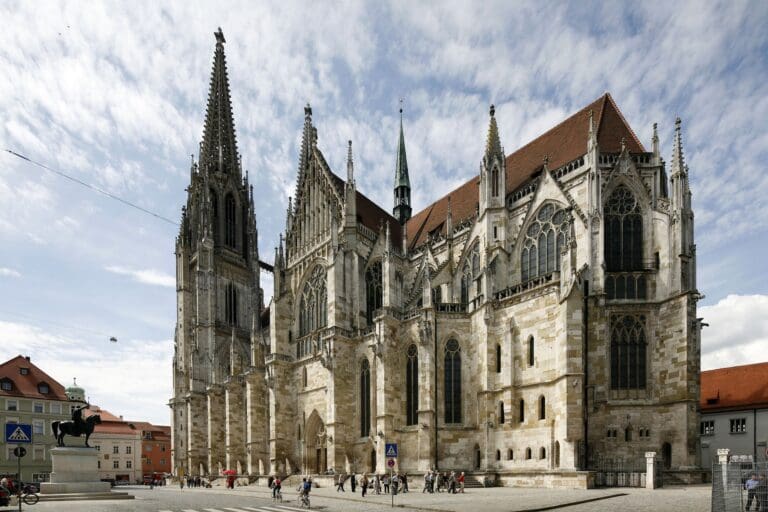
(75,496)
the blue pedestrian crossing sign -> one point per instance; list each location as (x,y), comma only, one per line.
(390,450)
(18,433)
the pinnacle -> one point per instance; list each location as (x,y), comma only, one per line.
(493,144)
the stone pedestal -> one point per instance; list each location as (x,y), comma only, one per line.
(650,470)
(75,470)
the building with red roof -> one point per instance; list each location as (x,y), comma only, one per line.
(29,395)
(734,412)
(540,317)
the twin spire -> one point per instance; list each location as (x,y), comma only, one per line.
(402,207)
(218,149)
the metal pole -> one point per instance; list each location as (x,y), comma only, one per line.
(391,487)
(18,481)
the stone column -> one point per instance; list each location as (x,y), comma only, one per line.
(650,470)
(235,424)
(216,429)
(257,421)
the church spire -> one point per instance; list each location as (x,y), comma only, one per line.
(402,208)
(492,143)
(678,163)
(218,150)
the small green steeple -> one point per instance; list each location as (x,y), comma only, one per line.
(402,208)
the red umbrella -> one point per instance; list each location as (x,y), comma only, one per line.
(229,472)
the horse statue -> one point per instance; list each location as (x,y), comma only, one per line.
(71,428)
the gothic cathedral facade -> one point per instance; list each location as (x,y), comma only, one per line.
(540,317)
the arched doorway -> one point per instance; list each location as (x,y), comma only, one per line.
(315,450)
(666,455)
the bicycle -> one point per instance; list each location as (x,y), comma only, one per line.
(277,495)
(29,495)
(304,500)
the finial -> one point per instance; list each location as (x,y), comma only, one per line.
(678,122)
(401,108)
(74,381)
(220,37)
(493,110)
(350,165)
(308,111)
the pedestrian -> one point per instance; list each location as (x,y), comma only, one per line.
(461,482)
(386,484)
(353,483)
(404,482)
(181,483)
(395,484)
(364,485)
(751,487)
(340,484)
(377,484)
(452,483)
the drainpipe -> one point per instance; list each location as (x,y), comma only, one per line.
(585,388)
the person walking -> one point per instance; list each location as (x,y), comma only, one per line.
(404,482)
(377,484)
(364,485)
(452,483)
(386,484)
(461,482)
(353,483)
(751,487)
(426,483)
(340,484)
(395,483)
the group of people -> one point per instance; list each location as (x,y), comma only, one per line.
(445,481)
(194,481)
(386,483)
(757,492)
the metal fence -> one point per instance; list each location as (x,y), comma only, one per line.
(618,472)
(729,493)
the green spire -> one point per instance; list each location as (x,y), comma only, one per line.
(402,208)
(401,168)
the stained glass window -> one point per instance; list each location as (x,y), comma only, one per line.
(452,371)
(543,243)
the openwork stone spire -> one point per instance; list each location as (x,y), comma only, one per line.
(492,143)
(218,150)
(678,163)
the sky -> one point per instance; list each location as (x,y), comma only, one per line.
(114,94)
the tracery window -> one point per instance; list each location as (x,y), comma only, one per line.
(544,241)
(365,398)
(230,304)
(452,370)
(412,386)
(628,352)
(314,303)
(437,295)
(623,231)
(470,272)
(229,220)
(466,282)
(373,290)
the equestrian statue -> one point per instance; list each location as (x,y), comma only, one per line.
(76,427)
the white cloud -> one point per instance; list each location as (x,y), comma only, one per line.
(130,378)
(9,272)
(737,333)
(147,276)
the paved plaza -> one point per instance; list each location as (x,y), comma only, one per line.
(257,499)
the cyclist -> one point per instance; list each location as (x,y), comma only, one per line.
(306,487)
(276,487)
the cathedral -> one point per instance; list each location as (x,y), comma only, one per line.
(540,319)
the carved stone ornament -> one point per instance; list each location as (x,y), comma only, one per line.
(326,355)
(378,347)
(270,377)
(425,331)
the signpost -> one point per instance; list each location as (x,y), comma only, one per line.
(390,452)
(18,433)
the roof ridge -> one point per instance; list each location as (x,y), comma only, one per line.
(558,125)
(623,120)
(726,368)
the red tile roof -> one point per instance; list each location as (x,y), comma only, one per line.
(562,144)
(737,387)
(27,385)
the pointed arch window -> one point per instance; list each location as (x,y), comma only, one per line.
(531,351)
(495,182)
(466,282)
(501,413)
(471,272)
(230,222)
(543,243)
(230,304)
(373,290)
(412,386)
(452,381)
(498,358)
(623,231)
(628,352)
(313,305)
(365,398)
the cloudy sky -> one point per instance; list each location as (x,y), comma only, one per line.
(114,94)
